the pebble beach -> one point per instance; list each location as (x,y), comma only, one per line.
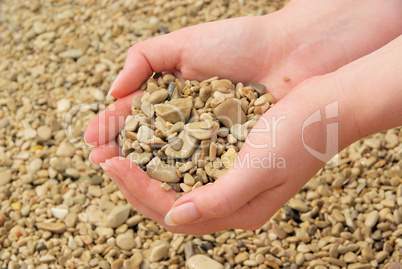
(58,60)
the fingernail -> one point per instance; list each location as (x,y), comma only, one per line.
(88,143)
(104,167)
(182,214)
(113,87)
(90,160)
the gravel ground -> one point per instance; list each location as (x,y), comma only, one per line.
(57,61)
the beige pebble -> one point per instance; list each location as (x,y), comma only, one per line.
(350,257)
(126,240)
(298,205)
(239,131)
(371,219)
(144,133)
(52,227)
(158,96)
(118,215)
(148,109)
(137,101)
(230,112)
(200,261)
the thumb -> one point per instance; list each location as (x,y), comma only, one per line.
(248,176)
(157,54)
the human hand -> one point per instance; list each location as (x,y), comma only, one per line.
(227,203)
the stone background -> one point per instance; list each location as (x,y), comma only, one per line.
(58,55)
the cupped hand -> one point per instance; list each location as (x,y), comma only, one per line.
(248,50)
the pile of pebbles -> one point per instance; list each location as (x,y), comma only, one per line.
(187,134)
(58,211)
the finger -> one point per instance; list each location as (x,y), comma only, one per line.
(140,185)
(103,152)
(105,126)
(157,54)
(136,203)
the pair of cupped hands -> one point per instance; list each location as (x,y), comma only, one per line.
(314,44)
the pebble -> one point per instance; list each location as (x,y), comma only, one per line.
(239,131)
(144,133)
(159,251)
(44,133)
(59,213)
(261,89)
(5,177)
(118,215)
(350,257)
(371,219)
(57,228)
(373,143)
(298,205)
(126,240)
(368,253)
(158,96)
(176,143)
(230,112)
(65,149)
(73,53)
(202,262)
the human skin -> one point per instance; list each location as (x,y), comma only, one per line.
(246,197)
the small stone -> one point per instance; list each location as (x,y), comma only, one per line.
(59,213)
(381,256)
(65,149)
(144,133)
(118,215)
(202,262)
(239,131)
(73,53)
(298,205)
(241,257)
(44,133)
(104,231)
(148,109)
(176,143)
(259,88)
(189,250)
(5,177)
(229,112)
(159,251)
(350,257)
(371,219)
(47,258)
(126,240)
(134,262)
(117,264)
(368,253)
(137,101)
(163,172)
(63,105)
(71,219)
(29,133)
(229,158)
(175,110)
(4,123)
(158,96)
(57,228)
(39,27)
(373,143)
